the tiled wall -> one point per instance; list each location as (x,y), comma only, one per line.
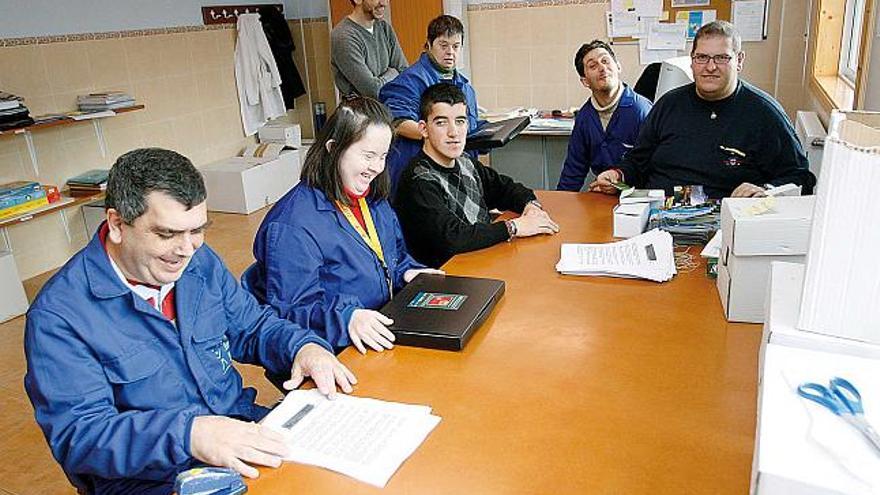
(522,52)
(185,79)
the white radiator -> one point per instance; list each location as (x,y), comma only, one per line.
(812,134)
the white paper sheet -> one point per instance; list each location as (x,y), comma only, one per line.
(689,3)
(366,439)
(647,256)
(625,24)
(649,8)
(748,18)
(666,36)
(650,56)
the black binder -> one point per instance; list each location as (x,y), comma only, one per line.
(496,134)
(441,311)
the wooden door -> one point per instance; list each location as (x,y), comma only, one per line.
(410,19)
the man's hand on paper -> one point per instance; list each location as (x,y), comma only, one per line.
(534,221)
(409,275)
(603,182)
(370,327)
(746,190)
(227,442)
(325,370)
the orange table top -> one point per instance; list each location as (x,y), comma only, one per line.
(573,384)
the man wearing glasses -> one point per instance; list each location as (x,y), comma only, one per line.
(718,132)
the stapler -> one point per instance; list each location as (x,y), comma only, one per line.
(209,481)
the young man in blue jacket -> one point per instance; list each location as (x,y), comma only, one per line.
(403,95)
(130,345)
(608,123)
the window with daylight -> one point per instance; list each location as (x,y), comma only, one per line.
(840,43)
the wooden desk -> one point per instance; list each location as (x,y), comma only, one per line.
(573,385)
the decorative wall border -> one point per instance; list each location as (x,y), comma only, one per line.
(521,4)
(131,33)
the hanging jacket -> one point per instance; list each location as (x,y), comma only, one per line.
(281,43)
(256,76)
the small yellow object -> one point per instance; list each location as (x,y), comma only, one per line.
(762,206)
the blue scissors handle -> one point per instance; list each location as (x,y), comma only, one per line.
(840,397)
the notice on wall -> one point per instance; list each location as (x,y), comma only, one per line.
(695,19)
(749,17)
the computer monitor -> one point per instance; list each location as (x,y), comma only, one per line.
(674,72)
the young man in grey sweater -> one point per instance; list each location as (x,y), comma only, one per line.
(364,51)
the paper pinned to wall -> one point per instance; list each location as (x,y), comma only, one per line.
(667,36)
(695,19)
(650,56)
(649,8)
(749,19)
(625,24)
(678,4)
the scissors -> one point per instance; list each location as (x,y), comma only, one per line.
(843,399)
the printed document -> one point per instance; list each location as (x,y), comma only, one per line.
(364,438)
(647,256)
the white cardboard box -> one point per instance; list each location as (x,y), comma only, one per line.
(630,220)
(281,132)
(801,447)
(841,289)
(13,301)
(749,243)
(780,325)
(244,185)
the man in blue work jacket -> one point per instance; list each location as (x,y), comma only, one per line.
(403,95)
(608,123)
(130,345)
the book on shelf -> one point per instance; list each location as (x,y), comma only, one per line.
(94,177)
(23,208)
(18,187)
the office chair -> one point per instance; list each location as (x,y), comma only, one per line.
(647,83)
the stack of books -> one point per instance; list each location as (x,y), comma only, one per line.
(13,113)
(17,198)
(99,102)
(88,184)
(689,225)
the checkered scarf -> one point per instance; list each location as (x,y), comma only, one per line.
(463,188)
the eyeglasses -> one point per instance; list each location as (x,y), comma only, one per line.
(703,59)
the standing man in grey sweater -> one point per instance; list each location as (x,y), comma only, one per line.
(364,51)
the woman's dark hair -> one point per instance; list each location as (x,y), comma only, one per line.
(346,126)
(139,172)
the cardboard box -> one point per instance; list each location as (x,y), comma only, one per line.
(281,132)
(841,292)
(630,220)
(801,447)
(244,185)
(749,243)
(13,301)
(783,307)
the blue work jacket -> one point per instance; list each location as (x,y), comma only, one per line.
(403,95)
(591,146)
(115,385)
(315,269)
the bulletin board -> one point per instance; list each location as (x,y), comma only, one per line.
(722,10)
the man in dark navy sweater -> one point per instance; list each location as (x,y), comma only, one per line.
(718,132)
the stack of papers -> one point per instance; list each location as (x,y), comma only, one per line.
(366,439)
(551,125)
(647,256)
(689,225)
(96,102)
